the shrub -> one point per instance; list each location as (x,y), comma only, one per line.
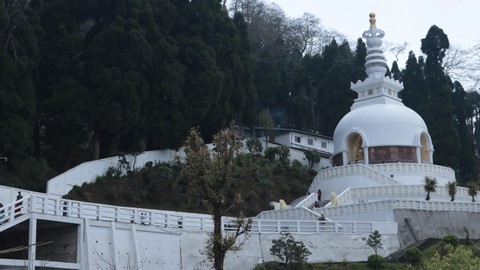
(413,255)
(288,250)
(271,153)
(283,154)
(375,261)
(260,267)
(448,240)
(254,146)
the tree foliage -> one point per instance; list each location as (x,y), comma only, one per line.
(288,250)
(375,241)
(91,79)
(312,156)
(472,189)
(210,172)
(439,106)
(452,189)
(455,258)
(429,185)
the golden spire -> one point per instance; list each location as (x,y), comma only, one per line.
(373,20)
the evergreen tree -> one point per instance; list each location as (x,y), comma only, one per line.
(415,92)
(18,59)
(335,96)
(439,106)
(117,56)
(395,71)
(60,93)
(360,55)
(467,165)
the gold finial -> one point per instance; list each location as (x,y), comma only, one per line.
(373,20)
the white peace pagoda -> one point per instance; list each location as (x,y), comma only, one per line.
(382,154)
(380,141)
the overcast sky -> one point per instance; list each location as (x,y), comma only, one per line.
(402,20)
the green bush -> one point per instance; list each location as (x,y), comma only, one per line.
(271,153)
(254,146)
(260,267)
(451,240)
(375,261)
(413,255)
(448,240)
(288,250)
(283,154)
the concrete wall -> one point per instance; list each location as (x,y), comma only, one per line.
(417,225)
(157,248)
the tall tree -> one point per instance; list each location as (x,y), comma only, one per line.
(439,107)
(415,92)
(18,59)
(335,96)
(60,93)
(467,163)
(395,71)
(211,174)
(116,57)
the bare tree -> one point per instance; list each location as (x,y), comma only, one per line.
(305,32)
(463,65)
(396,49)
(210,172)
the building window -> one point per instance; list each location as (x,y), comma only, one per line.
(324,145)
(297,139)
(310,141)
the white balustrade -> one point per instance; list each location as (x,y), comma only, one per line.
(186,221)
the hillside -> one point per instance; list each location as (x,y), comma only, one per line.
(257,179)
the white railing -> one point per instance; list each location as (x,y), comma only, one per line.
(311,226)
(306,201)
(15,209)
(294,213)
(390,204)
(186,221)
(350,170)
(415,168)
(358,195)
(380,172)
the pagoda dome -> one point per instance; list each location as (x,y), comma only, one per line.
(380,125)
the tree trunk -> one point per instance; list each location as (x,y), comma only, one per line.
(96,146)
(428,196)
(218,250)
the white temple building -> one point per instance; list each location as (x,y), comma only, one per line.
(382,154)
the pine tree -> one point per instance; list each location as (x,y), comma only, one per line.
(467,167)
(439,108)
(415,92)
(18,59)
